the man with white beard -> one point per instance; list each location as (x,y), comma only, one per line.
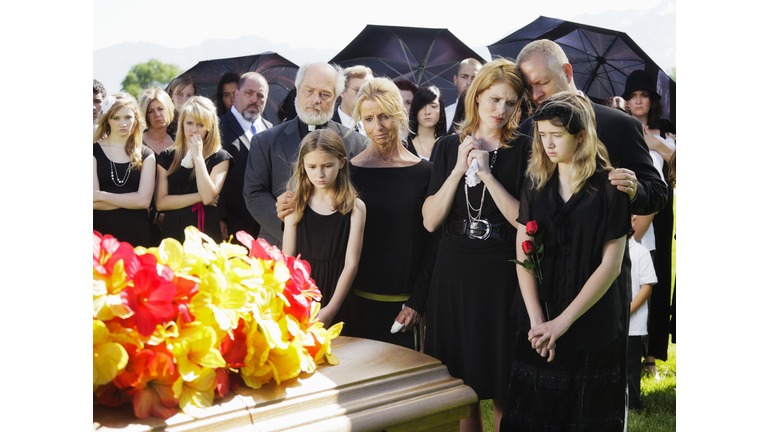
(275,150)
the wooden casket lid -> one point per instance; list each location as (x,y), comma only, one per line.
(375,386)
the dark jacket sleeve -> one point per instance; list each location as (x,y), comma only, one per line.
(257,184)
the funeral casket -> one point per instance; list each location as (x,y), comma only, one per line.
(375,387)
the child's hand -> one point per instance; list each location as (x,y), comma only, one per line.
(325,316)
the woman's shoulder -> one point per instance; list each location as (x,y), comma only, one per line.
(146,152)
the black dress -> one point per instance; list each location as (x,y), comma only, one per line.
(128,225)
(583,388)
(468,323)
(180,183)
(396,262)
(322,242)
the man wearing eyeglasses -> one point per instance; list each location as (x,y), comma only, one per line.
(354,78)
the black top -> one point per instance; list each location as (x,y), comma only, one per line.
(128,225)
(395,258)
(180,182)
(574,234)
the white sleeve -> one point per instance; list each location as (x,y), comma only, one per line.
(646,272)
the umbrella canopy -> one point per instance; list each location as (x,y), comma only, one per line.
(279,73)
(601,58)
(425,56)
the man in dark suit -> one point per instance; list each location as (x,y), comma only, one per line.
(237,127)
(354,78)
(276,150)
(546,71)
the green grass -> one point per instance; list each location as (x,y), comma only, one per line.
(659,398)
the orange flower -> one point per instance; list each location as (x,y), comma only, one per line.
(153,393)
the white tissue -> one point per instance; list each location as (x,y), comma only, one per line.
(187,162)
(395,327)
(472,179)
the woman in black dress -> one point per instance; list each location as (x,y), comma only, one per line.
(426,121)
(123,173)
(468,324)
(393,276)
(190,174)
(572,299)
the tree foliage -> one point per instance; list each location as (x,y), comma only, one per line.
(673,74)
(144,75)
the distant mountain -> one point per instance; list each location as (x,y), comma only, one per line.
(111,65)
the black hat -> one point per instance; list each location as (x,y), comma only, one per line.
(639,80)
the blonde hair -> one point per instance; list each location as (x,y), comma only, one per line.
(385,93)
(134,143)
(156,93)
(501,70)
(201,110)
(590,155)
(328,141)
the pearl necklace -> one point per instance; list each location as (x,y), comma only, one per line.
(113,169)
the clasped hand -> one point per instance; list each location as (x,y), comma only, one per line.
(543,337)
(196,146)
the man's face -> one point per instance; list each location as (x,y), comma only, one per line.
(316,95)
(98,98)
(349,95)
(541,81)
(465,77)
(251,98)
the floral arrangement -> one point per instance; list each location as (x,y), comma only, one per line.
(182,325)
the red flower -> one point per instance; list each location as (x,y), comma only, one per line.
(151,300)
(528,247)
(531,228)
(260,248)
(185,290)
(234,350)
(107,251)
(300,289)
(153,393)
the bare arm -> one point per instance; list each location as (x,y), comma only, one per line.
(437,206)
(165,202)
(641,225)
(133,200)
(641,297)
(208,186)
(289,235)
(351,262)
(99,205)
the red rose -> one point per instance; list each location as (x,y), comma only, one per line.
(531,228)
(528,247)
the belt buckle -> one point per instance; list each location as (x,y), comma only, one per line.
(479,229)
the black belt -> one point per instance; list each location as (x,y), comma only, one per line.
(463,226)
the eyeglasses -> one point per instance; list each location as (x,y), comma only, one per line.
(355,89)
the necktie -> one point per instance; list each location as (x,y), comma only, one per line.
(253,128)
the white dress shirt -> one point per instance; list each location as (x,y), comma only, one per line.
(246,125)
(450,112)
(347,121)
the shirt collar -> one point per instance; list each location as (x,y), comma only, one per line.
(245,124)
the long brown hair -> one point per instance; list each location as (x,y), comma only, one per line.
(134,142)
(501,70)
(590,155)
(328,141)
(201,110)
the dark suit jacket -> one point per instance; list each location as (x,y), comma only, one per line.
(231,205)
(273,153)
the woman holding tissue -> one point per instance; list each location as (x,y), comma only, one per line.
(191,173)
(477,175)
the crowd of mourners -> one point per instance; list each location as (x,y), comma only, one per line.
(521,234)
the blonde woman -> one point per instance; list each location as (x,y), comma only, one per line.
(191,173)
(123,173)
(157,111)
(567,371)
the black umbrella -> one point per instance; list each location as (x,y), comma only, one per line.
(425,56)
(601,58)
(279,73)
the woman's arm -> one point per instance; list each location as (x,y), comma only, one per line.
(657,145)
(165,202)
(140,199)
(351,262)
(289,235)
(208,186)
(97,204)
(641,225)
(437,206)
(593,290)
(507,204)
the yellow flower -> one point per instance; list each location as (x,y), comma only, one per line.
(106,305)
(218,302)
(197,393)
(197,352)
(109,358)
(321,349)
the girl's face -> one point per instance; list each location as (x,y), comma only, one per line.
(322,168)
(181,95)
(192,127)
(558,144)
(122,122)
(496,105)
(228,96)
(156,114)
(639,103)
(429,114)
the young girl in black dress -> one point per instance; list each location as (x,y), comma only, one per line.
(326,227)
(123,173)
(574,309)
(191,173)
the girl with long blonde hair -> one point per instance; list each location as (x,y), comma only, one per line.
(191,173)
(326,227)
(123,173)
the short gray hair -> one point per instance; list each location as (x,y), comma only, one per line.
(552,52)
(339,85)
